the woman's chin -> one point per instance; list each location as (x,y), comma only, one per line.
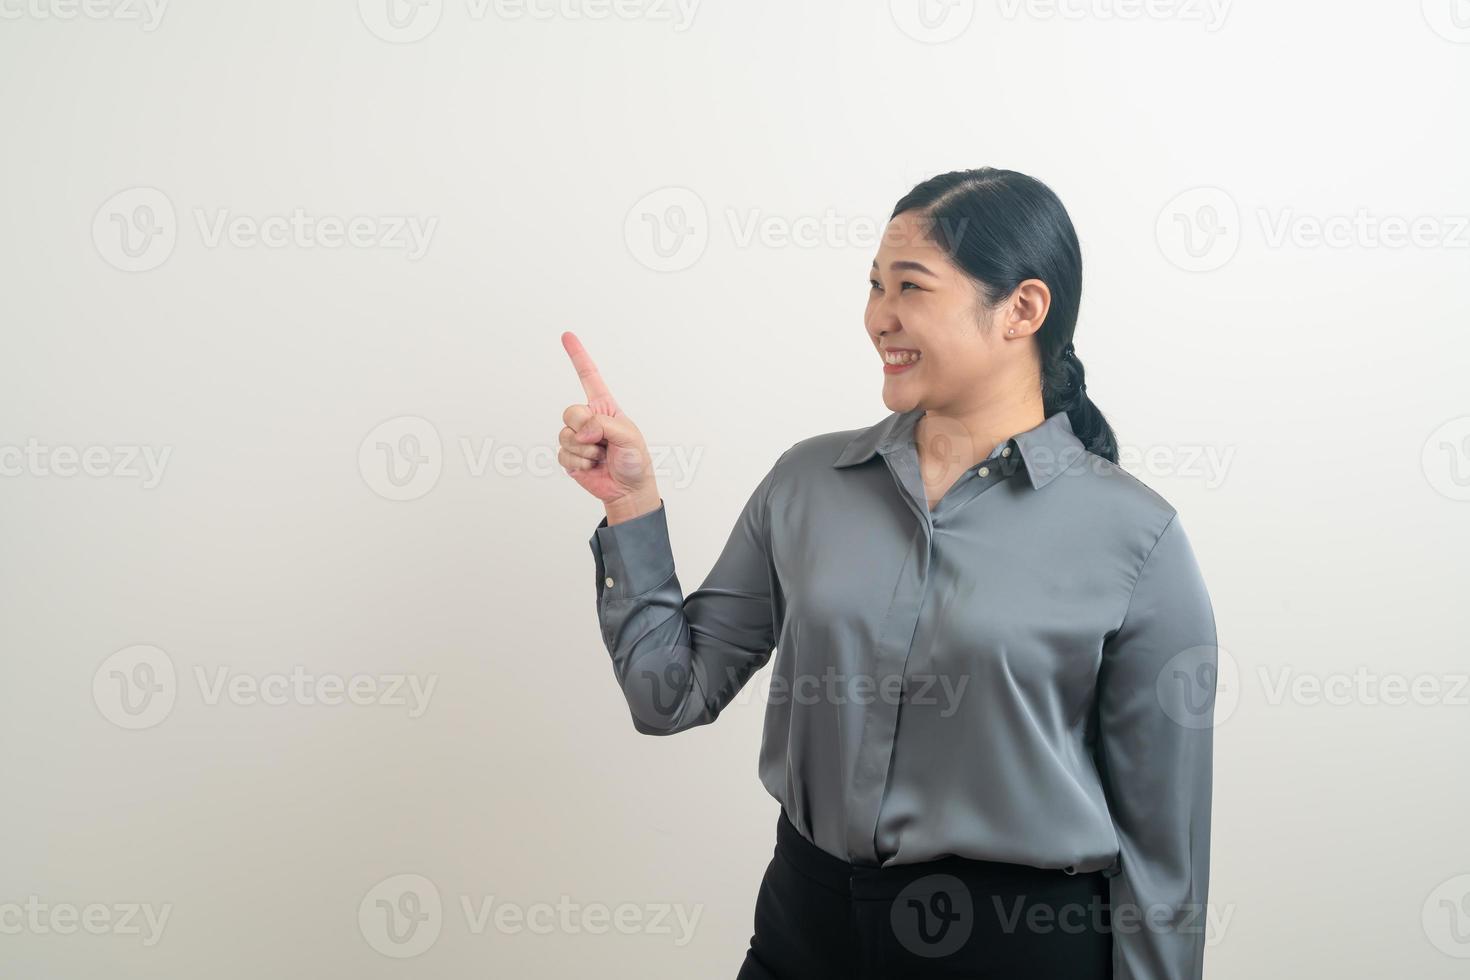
(899,400)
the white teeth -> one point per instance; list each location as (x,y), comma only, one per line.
(901,357)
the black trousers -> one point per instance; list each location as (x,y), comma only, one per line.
(819,917)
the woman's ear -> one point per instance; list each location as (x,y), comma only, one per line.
(1025,311)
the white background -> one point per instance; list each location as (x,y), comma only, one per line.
(1301,400)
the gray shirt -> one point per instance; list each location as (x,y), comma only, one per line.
(1025,673)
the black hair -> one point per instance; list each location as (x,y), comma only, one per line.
(1002,227)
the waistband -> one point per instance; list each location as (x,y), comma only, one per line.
(875,881)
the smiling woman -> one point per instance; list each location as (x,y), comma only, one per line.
(979,543)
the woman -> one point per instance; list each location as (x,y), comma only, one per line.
(989,727)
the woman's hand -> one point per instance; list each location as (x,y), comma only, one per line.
(602,449)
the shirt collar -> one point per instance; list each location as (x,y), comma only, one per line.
(1047,448)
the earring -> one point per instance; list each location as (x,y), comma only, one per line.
(1011,331)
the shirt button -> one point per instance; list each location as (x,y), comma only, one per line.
(984,471)
(1006,451)
(608,582)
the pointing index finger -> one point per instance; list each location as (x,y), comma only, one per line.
(599,397)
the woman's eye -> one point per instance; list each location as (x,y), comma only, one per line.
(902,286)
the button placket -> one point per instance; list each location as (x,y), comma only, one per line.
(880,715)
(895,643)
(877,743)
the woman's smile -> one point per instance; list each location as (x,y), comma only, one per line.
(899,359)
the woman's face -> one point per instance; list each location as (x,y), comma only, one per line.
(920,302)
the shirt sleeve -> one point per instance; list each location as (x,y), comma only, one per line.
(680,660)
(1156,697)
